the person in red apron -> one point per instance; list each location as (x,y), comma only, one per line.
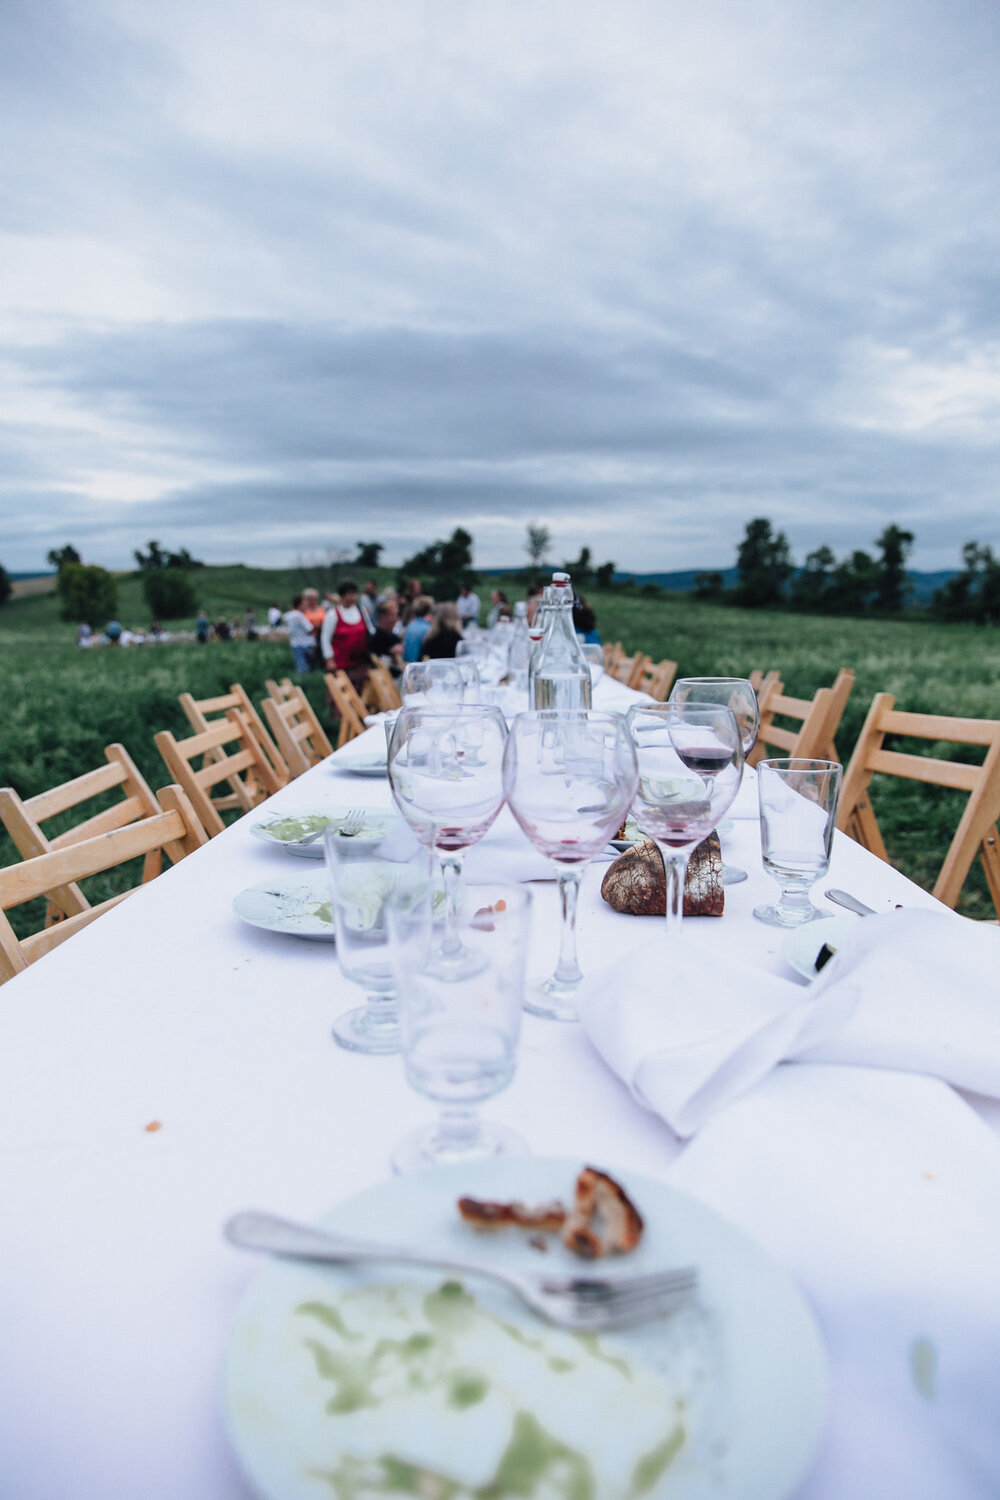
(344,636)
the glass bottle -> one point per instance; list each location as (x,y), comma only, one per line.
(560,675)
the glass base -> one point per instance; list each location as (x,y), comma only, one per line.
(459,962)
(430,1147)
(359,1030)
(733,875)
(775,918)
(555,1000)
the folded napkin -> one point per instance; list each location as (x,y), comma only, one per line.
(913,990)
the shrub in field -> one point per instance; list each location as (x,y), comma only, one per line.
(6,586)
(169,593)
(87,593)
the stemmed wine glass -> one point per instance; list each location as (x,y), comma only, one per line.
(445,770)
(738,694)
(798,814)
(690,766)
(460,1029)
(432,684)
(365,874)
(570,776)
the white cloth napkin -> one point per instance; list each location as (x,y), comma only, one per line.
(880,1192)
(914,990)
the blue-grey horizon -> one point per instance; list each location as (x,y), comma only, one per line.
(276,281)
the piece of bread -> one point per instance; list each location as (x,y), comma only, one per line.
(604,1220)
(482,1214)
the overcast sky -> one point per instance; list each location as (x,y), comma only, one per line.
(274,279)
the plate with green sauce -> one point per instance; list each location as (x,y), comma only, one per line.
(286,829)
(353,1382)
(301,908)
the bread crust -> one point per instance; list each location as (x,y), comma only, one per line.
(604,1220)
(481,1213)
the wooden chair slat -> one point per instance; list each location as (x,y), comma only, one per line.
(112,817)
(61,798)
(951,773)
(938,727)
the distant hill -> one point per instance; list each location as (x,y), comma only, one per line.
(681,582)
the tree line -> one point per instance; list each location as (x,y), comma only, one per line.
(861,583)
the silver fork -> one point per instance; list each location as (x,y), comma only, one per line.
(582,1303)
(351,824)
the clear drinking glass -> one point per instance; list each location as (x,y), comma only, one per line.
(431,684)
(469,673)
(690,766)
(364,874)
(460,1030)
(570,776)
(738,694)
(798,813)
(446,774)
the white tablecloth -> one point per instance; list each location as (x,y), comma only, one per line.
(118,1291)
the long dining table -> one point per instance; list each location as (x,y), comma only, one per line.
(171,1064)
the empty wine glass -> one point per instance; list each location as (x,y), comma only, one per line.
(469,673)
(798,813)
(570,776)
(446,774)
(690,765)
(460,1030)
(738,694)
(364,873)
(431,683)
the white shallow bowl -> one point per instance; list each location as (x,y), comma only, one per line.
(285,829)
(424,1383)
(300,908)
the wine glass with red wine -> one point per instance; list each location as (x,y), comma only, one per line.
(738,694)
(690,759)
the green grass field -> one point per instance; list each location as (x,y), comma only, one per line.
(61,706)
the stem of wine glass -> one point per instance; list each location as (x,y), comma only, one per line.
(568,970)
(458,1135)
(675,863)
(451,871)
(795,905)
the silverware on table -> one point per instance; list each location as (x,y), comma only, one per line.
(584,1303)
(844,898)
(350,825)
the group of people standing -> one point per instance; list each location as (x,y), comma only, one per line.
(345,629)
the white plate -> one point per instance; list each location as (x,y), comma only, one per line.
(299,907)
(359,765)
(801,946)
(285,829)
(335,1373)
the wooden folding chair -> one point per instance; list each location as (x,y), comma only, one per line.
(977,831)
(200,711)
(347,705)
(23,820)
(613,654)
(658,680)
(279,691)
(173,829)
(244,768)
(383,686)
(299,733)
(759,681)
(819,719)
(625,666)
